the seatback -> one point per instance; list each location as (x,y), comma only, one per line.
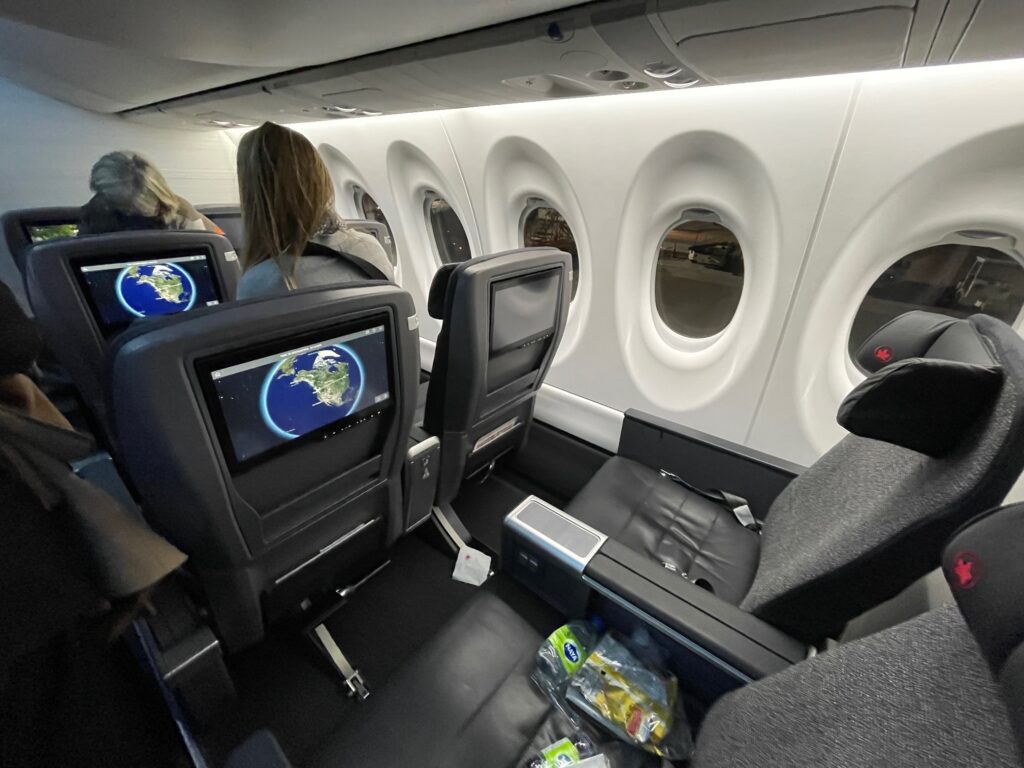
(27,227)
(229,219)
(266,437)
(918,694)
(944,689)
(985,571)
(938,438)
(84,292)
(502,318)
(378,230)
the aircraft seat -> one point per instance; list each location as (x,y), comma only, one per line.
(21,228)
(266,439)
(502,318)
(937,436)
(919,693)
(229,219)
(85,291)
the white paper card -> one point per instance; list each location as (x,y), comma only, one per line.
(472,567)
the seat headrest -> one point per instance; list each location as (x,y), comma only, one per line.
(985,571)
(930,378)
(439,291)
(918,334)
(922,404)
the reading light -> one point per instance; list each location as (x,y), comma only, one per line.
(660,70)
(339,110)
(684,82)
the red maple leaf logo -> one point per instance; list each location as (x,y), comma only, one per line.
(965,568)
(883,354)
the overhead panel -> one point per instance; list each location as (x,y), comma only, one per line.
(996,31)
(750,39)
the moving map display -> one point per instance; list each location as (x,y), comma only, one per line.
(314,390)
(122,291)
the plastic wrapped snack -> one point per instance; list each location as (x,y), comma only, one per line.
(565,752)
(635,701)
(558,659)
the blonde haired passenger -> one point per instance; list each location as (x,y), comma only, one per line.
(294,237)
(131,193)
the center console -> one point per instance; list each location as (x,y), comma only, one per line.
(714,644)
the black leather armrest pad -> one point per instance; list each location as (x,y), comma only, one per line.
(922,404)
(736,637)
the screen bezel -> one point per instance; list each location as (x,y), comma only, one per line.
(110,330)
(502,282)
(206,365)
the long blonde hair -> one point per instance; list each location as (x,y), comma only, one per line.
(131,184)
(286,194)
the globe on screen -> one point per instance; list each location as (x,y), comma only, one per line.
(306,392)
(155,289)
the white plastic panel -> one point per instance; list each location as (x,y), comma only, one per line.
(634,164)
(929,152)
(825,181)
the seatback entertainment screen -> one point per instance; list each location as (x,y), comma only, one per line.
(41,233)
(270,401)
(120,290)
(523,310)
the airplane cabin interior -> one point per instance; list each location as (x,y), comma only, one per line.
(617,384)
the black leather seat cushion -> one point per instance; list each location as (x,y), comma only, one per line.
(648,513)
(465,699)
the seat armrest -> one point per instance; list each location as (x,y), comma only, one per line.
(734,641)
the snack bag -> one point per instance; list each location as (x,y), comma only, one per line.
(634,700)
(558,659)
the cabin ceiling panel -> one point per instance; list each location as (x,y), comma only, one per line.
(146,51)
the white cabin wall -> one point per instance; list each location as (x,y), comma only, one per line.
(826,181)
(48,148)
(929,152)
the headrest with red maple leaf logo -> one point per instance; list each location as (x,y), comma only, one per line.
(982,563)
(933,376)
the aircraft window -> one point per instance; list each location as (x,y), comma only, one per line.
(545,226)
(450,240)
(369,209)
(699,278)
(955,280)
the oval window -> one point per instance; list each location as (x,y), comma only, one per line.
(368,209)
(699,278)
(450,240)
(545,226)
(955,280)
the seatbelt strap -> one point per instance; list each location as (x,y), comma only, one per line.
(372,271)
(736,504)
(353,680)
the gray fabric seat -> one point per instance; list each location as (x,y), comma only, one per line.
(939,438)
(919,694)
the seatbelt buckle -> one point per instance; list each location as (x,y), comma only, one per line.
(746,518)
(356,687)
